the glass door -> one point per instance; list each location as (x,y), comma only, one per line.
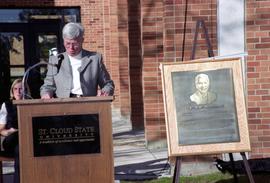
(45,40)
(12,56)
(23,45)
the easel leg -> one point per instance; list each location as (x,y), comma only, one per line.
(176,175)
(233,168)
(248,171)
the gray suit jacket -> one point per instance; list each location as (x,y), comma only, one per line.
(92,74)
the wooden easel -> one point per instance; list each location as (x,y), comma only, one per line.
(200,23)
(176,176)
(247,167)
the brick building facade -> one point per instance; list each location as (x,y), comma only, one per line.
(135,36)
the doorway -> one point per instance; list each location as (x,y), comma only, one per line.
(28,36)
(23,45)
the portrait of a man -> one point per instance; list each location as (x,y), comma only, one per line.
(202,96)
(205,104)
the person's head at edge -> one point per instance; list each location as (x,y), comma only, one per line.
(16,90)
(73,36)
(202,83)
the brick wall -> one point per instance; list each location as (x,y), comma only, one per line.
(258,75)
(163,37)
(135,64)
(178,41)
(152,41)
(123,57)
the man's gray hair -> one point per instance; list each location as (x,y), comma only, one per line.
(202,75)
(73,30)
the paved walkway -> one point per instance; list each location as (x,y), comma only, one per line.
(132,160)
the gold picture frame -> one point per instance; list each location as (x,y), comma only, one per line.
(205,108)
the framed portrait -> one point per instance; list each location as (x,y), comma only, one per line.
(205,107)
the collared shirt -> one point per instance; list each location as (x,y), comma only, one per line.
(76,63)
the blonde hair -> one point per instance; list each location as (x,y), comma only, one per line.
(16,81)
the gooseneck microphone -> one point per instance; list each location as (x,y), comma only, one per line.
(26,74)
(60,60)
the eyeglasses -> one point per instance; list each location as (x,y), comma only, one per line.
(72,44)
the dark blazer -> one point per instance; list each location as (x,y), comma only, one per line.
(92,74)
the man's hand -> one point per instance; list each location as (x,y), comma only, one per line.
(46,96)
(103,93)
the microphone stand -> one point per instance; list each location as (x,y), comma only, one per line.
(26,74)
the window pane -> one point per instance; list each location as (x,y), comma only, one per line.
(25,15)
(16,52)
(13,52)
(47,45)
(16,72)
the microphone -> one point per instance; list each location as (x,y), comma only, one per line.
(60,60)
(26,74)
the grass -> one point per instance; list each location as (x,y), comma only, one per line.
(210,178)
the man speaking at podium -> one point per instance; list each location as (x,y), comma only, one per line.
(77,72)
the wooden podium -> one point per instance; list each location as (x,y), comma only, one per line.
(66,140)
